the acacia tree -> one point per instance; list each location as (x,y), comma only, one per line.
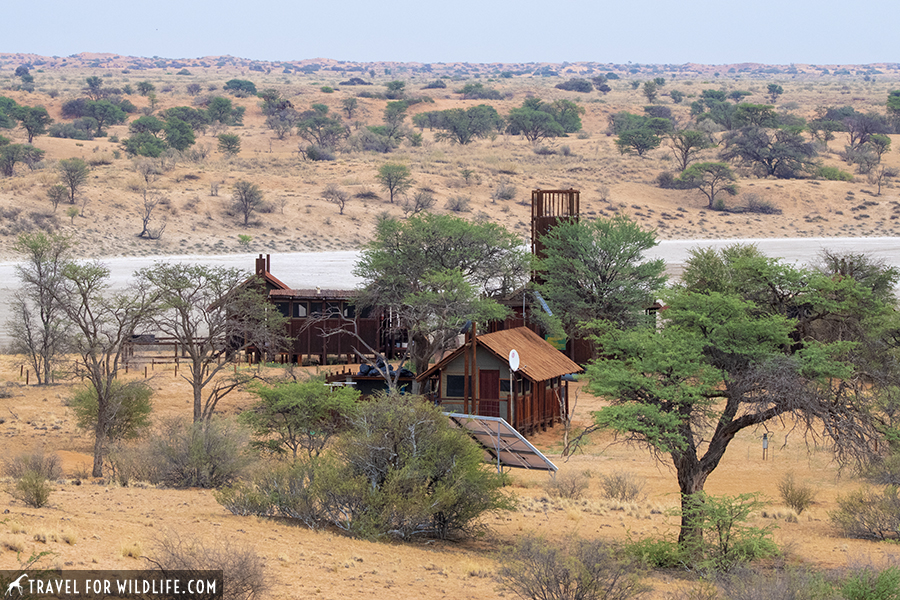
(34,120)
(783,153)
(711,178)
(74,173)
(247,198)
(741,346)
(395,178)
(638,141)
(597,270)
(686,143)
(212,313)
(38,328)
(435,272)
(102,323)
(299,415)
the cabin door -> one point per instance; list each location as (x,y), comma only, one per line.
(489,393)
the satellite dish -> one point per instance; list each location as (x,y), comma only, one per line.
(513,360)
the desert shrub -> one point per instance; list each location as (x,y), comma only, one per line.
(884,470)
(668,181)
(400,470)
(542,150)
(755,204)
(409,473)
(436,84)
(72,130)
(317,153)
(797,496)
(869,583)
(622,485)
(367,140)
(748,583)
(576,85)
(536,569)
(504,191)
(869,512)
(242,568)
(567,485)
(833,174)
(420,201)
(294,491)
(45,465)
(458,204)
(207,454)
(32,489)
(565,150)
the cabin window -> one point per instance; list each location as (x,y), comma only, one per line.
(333,309)
(456,386)
(300,310)
(349,311)
(504,386)
(284,308)
(315,309)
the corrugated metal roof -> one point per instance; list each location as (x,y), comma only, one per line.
(314,294)
(538,360)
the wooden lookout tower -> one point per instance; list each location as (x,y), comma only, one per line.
(548,208)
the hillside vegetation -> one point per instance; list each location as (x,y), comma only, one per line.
(474,139)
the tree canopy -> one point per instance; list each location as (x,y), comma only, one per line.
(745,340)
(438,271)
(596,270)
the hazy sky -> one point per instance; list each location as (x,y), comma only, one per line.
(640,31)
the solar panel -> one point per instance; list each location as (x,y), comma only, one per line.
(502,444)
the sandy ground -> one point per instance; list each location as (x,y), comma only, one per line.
(96,524)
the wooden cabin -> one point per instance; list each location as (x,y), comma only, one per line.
(316,318)
(476,379)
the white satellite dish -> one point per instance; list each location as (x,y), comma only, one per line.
(513,360)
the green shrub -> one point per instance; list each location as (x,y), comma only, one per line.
(724,541)
(795,495)
(868,513)
(622,486)
(32,489)
(401,470)
(536,569)
(422,477)
(833,174)
(871,584)
(657,554)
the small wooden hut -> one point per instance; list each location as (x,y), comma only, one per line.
(476,379)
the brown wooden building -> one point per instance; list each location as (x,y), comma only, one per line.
(317,318)
(475,379)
